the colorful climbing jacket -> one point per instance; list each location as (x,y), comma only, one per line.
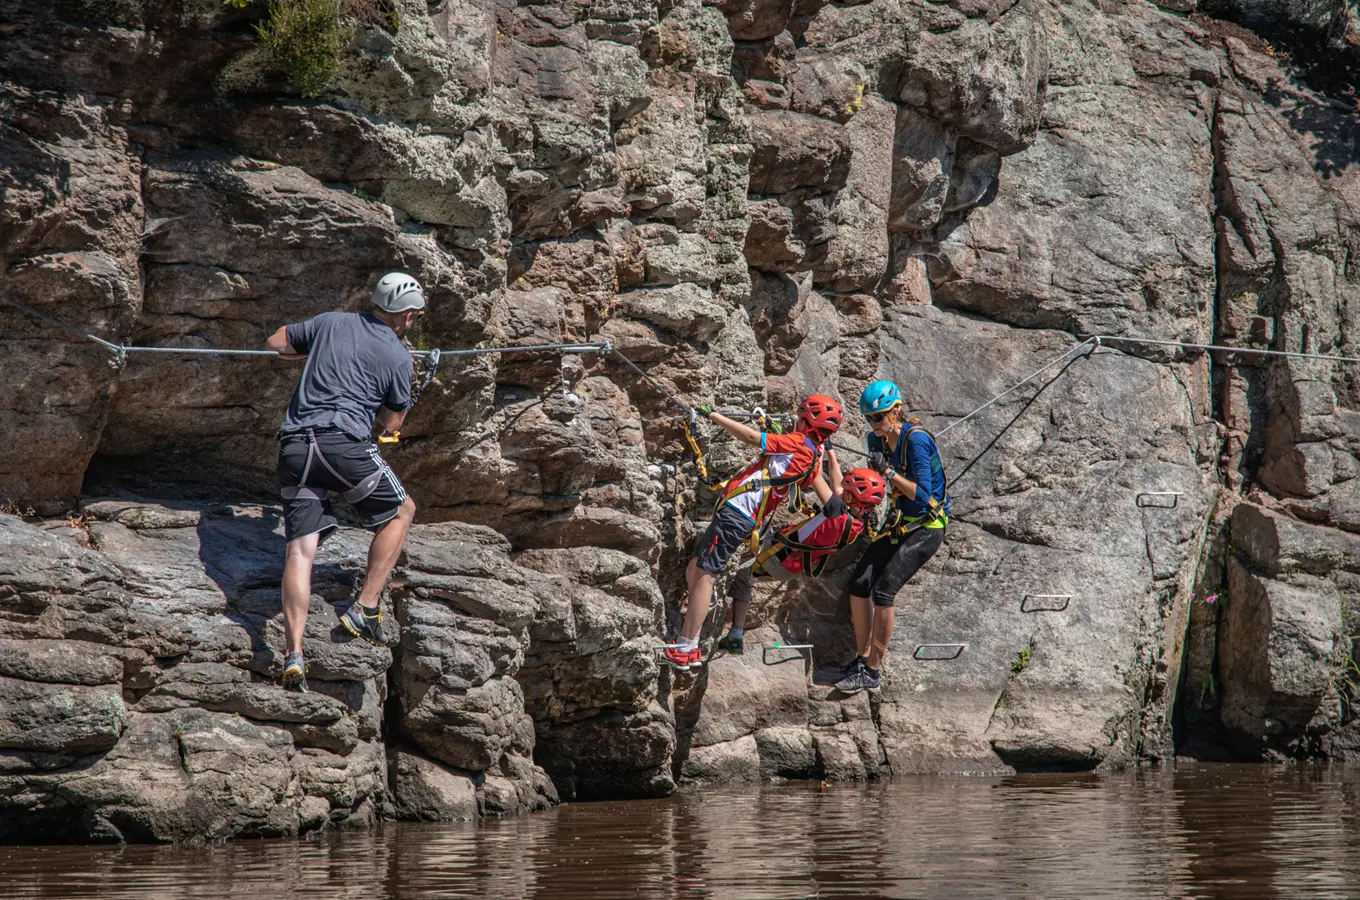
(786,462)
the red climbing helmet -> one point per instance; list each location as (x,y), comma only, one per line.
(820,413)
(864,488)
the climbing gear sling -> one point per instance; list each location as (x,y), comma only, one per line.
(431,367)
(786,544)
(690,425)
(355,493)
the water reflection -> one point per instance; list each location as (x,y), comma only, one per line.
(1240,832)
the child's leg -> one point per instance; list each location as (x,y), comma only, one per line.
(700,596)
(715,548)
(740,592)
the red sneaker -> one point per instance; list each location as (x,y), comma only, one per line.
(694,659)
(680,659)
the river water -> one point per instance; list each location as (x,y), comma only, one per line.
(1212,831)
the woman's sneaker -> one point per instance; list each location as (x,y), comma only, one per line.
(861,678)
(359,623)
(295,672)
(852,665)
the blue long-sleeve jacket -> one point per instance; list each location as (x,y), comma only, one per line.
(918,458)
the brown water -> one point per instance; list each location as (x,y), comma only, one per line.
(1201,831)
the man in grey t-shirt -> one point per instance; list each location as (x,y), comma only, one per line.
(357,372)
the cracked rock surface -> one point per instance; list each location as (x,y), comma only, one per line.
(1152,551)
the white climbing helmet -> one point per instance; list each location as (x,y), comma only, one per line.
(398,292)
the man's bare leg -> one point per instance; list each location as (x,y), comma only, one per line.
(882,633)
(862,616)
(383,553)
(297,588)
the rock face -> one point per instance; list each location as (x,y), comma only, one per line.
(752,200)
(138,677)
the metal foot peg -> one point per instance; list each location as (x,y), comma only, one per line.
(938,652)
(1157,499)
(1032,603)
(766,648)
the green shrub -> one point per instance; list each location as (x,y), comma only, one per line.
(304,39)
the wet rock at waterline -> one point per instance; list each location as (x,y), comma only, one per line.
(752,201)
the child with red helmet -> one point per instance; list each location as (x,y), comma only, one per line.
(804,548)
(749,499)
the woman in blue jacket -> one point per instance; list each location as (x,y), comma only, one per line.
(904,453)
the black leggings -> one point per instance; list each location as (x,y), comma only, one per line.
(885,567)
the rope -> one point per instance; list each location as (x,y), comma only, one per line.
(676,401)
(1226,349)
(1095,341)
(747,415)
(121,350)
(596,347)
(59,323)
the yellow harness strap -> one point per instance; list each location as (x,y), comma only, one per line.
(698,452)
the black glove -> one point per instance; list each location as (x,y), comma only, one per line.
(878,462)
(704,410)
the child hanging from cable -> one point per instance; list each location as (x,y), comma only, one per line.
(804,548)
(786,462)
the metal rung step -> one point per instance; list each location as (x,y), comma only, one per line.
(1144,499)
(938,652)
(766,648)
(1032,603)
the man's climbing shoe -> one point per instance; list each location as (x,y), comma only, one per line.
(861,679)
(295,673)
(681,660)
(361,624)
(731,644)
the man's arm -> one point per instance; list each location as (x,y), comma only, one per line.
(278,342)
(389,420)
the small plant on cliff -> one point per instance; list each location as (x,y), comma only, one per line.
(1021,661)
(304,39)
(1346,675)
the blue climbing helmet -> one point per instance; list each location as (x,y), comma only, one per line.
(878,397)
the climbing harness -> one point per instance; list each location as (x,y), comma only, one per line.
(786,544)
(353,494)
(897,526)
(766,483)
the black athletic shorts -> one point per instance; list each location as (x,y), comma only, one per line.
(722,538)
(353,461)
(885,567)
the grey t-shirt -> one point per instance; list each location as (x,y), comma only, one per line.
(355,364)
